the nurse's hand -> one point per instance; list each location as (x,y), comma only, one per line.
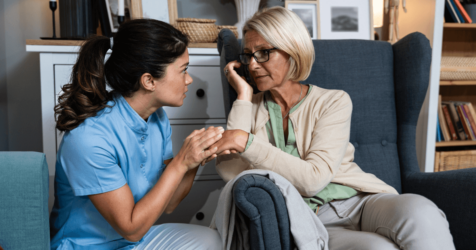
(232,142)
(196,147)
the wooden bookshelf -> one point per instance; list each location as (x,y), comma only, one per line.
(459,40)
(457,83)
(455,143)
(460,25)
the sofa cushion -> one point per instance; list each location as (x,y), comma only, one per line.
(24,201)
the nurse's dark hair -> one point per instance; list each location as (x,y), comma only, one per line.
(140,46)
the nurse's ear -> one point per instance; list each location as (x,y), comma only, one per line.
(147,82)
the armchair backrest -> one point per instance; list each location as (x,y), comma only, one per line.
(386,99)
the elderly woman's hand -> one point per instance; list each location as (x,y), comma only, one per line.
(242,88)
(232,142)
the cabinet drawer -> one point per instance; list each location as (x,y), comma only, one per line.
(207,80)
(199,205)
(179,133)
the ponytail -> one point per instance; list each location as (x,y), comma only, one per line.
(140,46)
(86,93)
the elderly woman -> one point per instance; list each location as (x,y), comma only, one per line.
(302,133)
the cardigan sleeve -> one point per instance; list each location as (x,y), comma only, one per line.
(229,166)
(321,162)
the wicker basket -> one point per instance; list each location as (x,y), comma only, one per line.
(234,29)
(198,30)
(452,160)
(458,68)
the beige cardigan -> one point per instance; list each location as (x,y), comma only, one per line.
(322,128)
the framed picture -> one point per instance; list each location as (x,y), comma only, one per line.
(308,12)
(163,10)
(346,19)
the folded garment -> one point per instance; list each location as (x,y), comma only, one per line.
(236,225)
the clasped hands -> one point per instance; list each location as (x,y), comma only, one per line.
(230,142)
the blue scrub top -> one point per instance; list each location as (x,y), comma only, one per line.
(102,154)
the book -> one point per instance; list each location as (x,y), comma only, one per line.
(471,110)
(441,118)
(439,136)
(456,121)
(451,11)
(460,17)
(463,12)
(449,122)
(470,119)
(464,119)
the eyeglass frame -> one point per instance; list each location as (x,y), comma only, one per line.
(253,55)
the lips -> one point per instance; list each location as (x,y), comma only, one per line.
(257,77)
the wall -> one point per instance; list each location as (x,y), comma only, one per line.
(3,86)
(24,19)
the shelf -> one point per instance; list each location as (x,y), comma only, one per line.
(457,83)
(460,25)
(80,42)
(455,143)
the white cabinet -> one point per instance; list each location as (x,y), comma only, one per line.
(203,107)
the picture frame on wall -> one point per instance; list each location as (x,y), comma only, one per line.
(163,10)
(346,19)
(308,11)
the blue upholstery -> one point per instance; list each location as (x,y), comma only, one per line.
(24,201)
(387,85)
(263,204)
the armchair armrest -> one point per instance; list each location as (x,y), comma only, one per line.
(261,201)
(454,192)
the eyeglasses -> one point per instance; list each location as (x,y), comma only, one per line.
(260,56)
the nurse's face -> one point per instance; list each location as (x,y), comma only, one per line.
(173,86)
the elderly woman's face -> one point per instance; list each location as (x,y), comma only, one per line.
(270,74)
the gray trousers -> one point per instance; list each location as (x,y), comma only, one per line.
(386,221)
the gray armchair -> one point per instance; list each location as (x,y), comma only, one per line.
(387,84)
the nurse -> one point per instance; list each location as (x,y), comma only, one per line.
(115,170)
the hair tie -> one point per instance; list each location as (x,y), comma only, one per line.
(112,41)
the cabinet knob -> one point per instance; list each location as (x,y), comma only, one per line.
(199,216)
(200,92)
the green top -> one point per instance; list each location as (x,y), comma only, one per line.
(276,137)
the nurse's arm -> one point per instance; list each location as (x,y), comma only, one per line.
(133,220)
(182,190)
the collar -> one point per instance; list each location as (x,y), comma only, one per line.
(130,116)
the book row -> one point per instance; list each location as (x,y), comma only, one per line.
(455,13)
(456,121)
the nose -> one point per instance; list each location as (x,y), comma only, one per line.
(253,64)
(188,80)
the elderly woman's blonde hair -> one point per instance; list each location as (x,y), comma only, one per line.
(284,30)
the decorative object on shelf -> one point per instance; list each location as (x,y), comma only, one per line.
(198,30)
(53,7)
(393,26)
(162,10)
(245,9)
(346,19)
(453,160)
(458,68)
(377,6)
(230,27)
(78,19)
(308,12)
(118,11)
